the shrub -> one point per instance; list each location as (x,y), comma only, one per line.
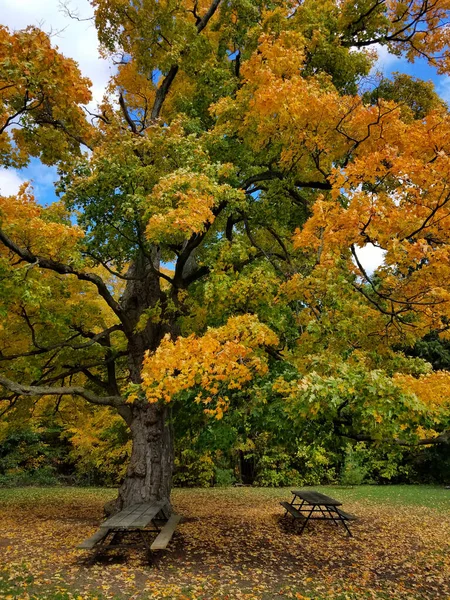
(193,469)
(353,471)
(224,477)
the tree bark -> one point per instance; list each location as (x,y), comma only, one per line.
(149,473)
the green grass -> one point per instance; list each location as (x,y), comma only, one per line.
(31,495)
(429,496)
(11,588)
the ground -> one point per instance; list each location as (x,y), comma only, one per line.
(231,545)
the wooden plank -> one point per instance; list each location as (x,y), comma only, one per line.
(166,533)
(118,518)
(346,516)
(121,518)
(294,512)
(313,497)
(94,539)
(143,519)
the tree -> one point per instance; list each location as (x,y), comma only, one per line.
(225,181)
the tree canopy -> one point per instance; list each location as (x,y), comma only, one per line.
(205,246)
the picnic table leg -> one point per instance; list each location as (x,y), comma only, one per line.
(322,511)
(146,544)
(306,520)
(330,512)
(102,545)
(298,506)
(342,520)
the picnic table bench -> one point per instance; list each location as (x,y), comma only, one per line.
(145,520)
(306,505)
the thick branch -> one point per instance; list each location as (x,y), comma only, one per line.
(207,16)
(163,90)
(63,269)
(32,390)
(126,114)
(270,175)
(180,278)
(442,438)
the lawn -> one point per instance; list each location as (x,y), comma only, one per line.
(231,545)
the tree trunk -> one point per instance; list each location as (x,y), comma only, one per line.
(149,474)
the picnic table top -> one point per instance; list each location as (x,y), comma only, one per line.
(316,498)
(136,516)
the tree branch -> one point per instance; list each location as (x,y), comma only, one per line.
(207,16)
(163,90)
(442,438)
(270,175)
(63,269)
(126,114)
(32,390)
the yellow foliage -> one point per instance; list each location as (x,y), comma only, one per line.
(42,83)
(433,389)
(223,359)
(31,227)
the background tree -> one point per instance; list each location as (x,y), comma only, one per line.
(233,169)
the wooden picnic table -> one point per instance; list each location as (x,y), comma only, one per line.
(307,504)
(144,520)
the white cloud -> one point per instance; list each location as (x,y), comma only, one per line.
(10,182)
(370,257)
(386,62)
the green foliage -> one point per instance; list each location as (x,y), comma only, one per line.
(224,477)
(193,469)
(417,97)
(353,399)
(45,475)
(353,472)
(434,350)
(30,457)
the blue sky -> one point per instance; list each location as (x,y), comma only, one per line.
(388,64)
(78,40)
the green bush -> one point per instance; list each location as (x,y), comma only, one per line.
(193,469)
(353,471)
(45,475)
(274,469)
(224,477)
(31,456)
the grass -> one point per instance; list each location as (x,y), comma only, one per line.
(428,496)
(232,545)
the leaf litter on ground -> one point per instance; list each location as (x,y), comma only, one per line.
(232,544)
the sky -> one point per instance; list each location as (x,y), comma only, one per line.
(78,40)
(75,39)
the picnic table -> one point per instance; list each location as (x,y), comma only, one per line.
(306,505)
(145,521)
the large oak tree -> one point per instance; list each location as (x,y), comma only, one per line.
(235,166)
